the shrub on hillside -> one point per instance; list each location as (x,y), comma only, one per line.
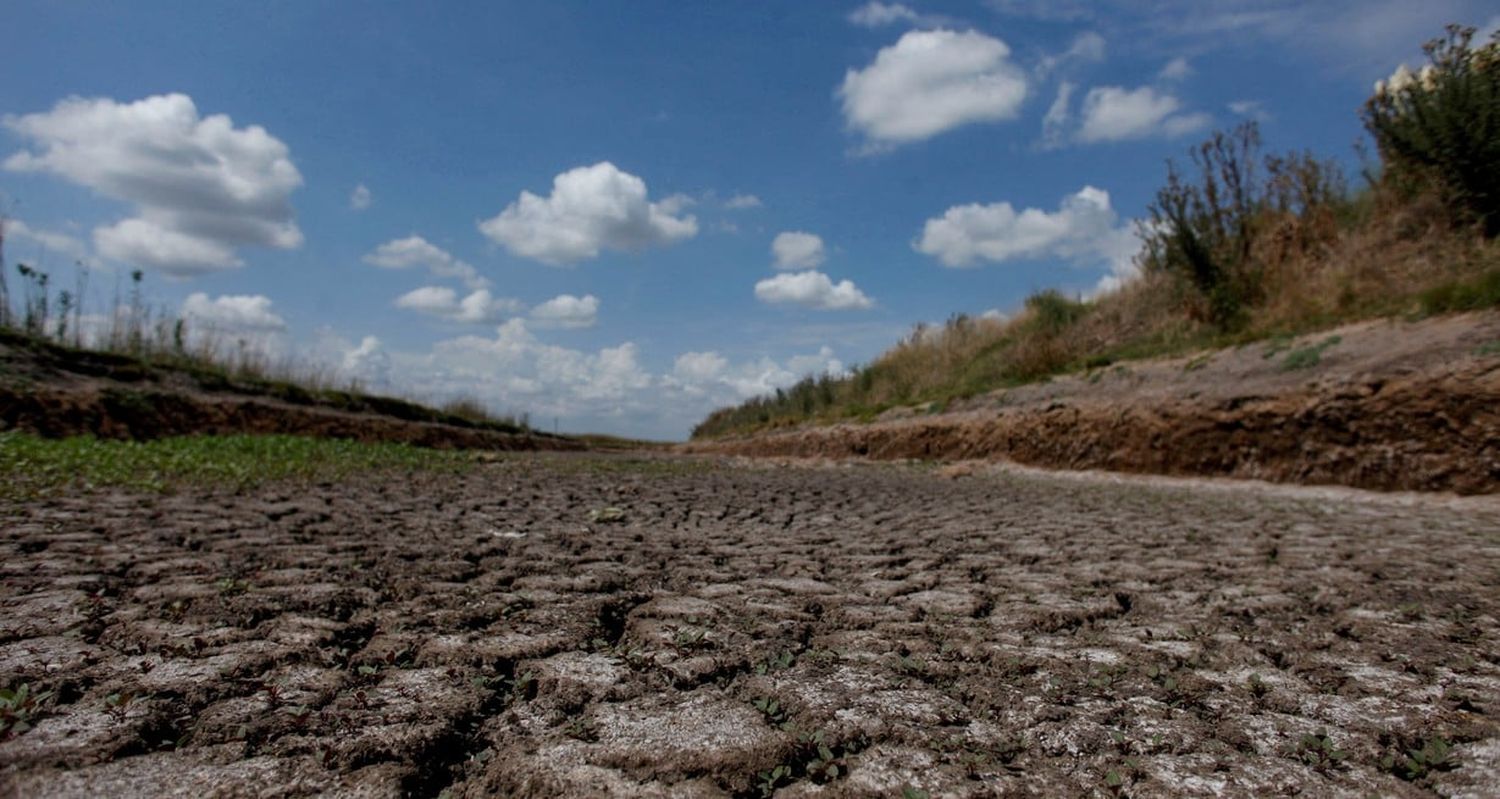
(1217,232)
(1441,125)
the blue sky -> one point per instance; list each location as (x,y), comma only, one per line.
(622,215)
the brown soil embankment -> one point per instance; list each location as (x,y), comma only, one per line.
(56,391)
(1386,405)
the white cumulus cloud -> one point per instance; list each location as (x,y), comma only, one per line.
(929,82)
(48,241)
(417,251)
(518,370)
(1059,114)
(1087,47)
(741,202)
(201,187)
(1085,229)
(1250,108)
(714,381)
(476,307)
(232,313)
(1176,69)
(875,14)
(367,362)
(795,249)
(567,311)
(1112,113)
(590,209)
(360,198)
(698,367)
(812,289)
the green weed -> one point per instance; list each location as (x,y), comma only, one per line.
(773,712)
(1308,357)
(1319,752)
(31,466)
(1463,295)
(19,709)
(781,661)
(774,778)
(1414,764)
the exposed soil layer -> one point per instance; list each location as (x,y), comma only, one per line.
(1382,405)
(586,625)
(57,391)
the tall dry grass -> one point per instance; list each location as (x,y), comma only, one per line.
(1238,247)
(144,339)
(1303,253)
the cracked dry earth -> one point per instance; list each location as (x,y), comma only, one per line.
(751,629)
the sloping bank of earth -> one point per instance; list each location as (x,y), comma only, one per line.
(58,391)
(1389,405)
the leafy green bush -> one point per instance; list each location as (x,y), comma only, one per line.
(1052,311)
(1442,124)
(1463,295)
(1200,232)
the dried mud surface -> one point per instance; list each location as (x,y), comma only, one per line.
(586,625)
(1386,405)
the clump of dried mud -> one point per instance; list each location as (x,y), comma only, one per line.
(1383,405)
(602,626)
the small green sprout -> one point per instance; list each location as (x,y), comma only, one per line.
(1259,688)
(1319,752)
(775,714)
(19,708)
(118,704)
(773,779)
(781,661)
(230,586)
(1435,755)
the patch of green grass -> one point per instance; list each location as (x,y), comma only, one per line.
(1277,345)
(31,466)
(1308,357)
(1463,295)
(1198,362)
(1491,348)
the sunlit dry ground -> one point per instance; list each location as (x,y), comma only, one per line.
(591,625)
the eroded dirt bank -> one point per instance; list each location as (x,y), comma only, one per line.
(1381,405)
(57,391)
(580,625)
(145,413)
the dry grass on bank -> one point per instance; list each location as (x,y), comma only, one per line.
(1380,255)
(1236,247)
